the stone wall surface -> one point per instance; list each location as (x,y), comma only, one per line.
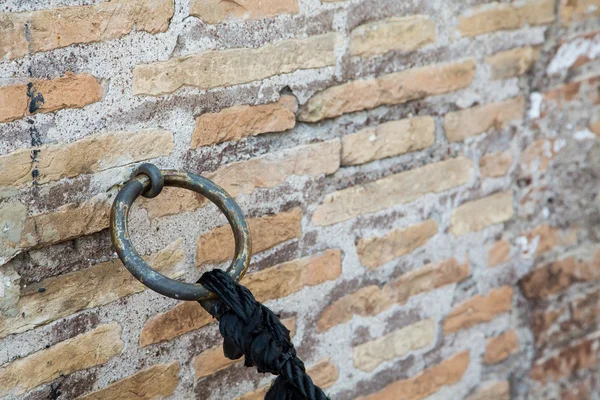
(421,179)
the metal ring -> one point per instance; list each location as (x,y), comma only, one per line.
(157,180)
(136,264)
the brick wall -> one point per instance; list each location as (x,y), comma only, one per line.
(420,178)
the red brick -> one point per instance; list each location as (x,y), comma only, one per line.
(479,309)
(83,351)
(43,30)
(69,91)
(372,300)
(158,381)
(214,11)
(428,382)
(567,362)
(267,232)
(559,275)
(236,123)
(396,88)
(499,348)
(278,281)
(499,253)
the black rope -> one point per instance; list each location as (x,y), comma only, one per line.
(252,330)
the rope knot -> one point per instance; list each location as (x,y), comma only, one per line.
(252,330)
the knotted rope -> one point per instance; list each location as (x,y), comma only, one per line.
(252,330)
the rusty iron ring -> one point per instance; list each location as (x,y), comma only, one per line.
(144,272)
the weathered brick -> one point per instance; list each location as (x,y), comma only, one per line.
(215,11)
(9,289)
(67,222)
(502,16)
(376,251)
(13,99)
(214,360)
(495,164)
(395,189)
(238,122)
(13,38)
(567,362)
(492,391)
(243,177)
(184,317)
(43,30)
(273,169)
(583,314)
(574,53)
(542,322)
(548,237)
(16,168)
(580,266)
(367,301)
(267,232)
(388,140)
(234,66)
(499,348)
(479,309)
(479,214)
(280,280)
(395,88)
(257,152)
(499,253)
(399,33)
(474,121)
(429,277)
(81,352)
(578,390)
(536,12)
(95,153)
(158,381)
(512,63)
(371,300)
(554,326)
(172,201)
(324,374)
(538,155)
(13,215)
(564,94)
(397,344)
(578,10)
(69,91)
(80,290)
(595,127)
(290,277)
(579,93)
(428,382)
(489,18)
(254,160)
